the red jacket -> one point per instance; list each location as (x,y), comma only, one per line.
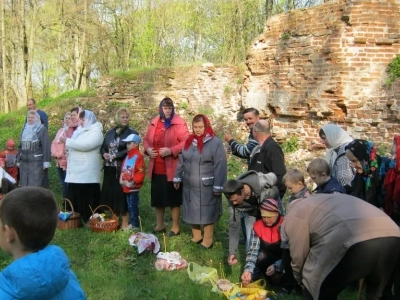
(132,170)
(174,139)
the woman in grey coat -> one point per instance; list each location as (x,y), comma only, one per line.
(202,171)
(34,152)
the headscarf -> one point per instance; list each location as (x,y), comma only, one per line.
(167,121)
(199,141)
(365,152)
(29,135)
(391,182)
(90,119)
(117,121)
(336,136)
(65,125)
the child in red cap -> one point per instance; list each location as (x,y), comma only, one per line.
(9,155)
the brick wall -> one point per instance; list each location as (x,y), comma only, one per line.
(327,64)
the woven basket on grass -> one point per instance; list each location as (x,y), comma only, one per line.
(108,225)
(74,220)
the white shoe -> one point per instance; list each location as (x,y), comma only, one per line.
(128,228)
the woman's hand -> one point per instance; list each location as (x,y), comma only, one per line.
(164,151)
(270,270)
(246,278)
(217,194)
(106,156)
(177,185)
(62,139)
(151,152)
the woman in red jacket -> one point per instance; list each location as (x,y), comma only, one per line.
(163,142)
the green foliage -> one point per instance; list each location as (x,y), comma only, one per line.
(290,145)
(135,74)
(285,36)
(393,70)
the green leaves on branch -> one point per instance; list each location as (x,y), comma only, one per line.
(393,70)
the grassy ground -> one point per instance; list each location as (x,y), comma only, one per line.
(106,265)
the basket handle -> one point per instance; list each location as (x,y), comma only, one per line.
(70,204)
(109,208)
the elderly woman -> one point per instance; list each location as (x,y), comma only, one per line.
(34,152)
(202,170)
(335,138)
(58,152)
(163,142)
(83,172)
(367,182)
(113,151)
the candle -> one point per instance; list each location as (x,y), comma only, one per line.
(165,243)
(140,222)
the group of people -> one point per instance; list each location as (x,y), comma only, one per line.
(341,231)
(321,240)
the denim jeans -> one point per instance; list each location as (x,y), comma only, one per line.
(133,208)
(61,175)
(248,224)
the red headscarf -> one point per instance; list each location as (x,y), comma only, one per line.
(391,183)
(200,140)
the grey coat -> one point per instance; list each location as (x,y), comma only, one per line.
(33,157)
(202,175)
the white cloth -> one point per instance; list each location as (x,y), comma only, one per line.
(336,136)
(4,174)
(144,241)
(84,161)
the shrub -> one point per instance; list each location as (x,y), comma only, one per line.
(393,70)
(290,145)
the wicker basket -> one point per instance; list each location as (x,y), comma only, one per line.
(74,220)
(108,225)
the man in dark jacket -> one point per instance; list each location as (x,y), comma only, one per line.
(268,156)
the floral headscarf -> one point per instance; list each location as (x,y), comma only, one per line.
(199,141)
(365,152)
(167,121)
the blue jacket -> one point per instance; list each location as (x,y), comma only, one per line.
(330,187)
(41,275)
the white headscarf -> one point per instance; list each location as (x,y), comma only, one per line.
(29,134)
(336,136)
(90,119)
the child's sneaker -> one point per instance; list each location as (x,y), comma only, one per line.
(135,228)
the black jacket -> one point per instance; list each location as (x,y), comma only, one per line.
(122,151)
(267,158)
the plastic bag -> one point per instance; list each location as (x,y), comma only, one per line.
(253,291)
(200,274)
(64,215)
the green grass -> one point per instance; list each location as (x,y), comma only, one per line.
(106,265)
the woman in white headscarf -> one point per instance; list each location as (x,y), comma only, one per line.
(34,152)
(336,139)
(84,164)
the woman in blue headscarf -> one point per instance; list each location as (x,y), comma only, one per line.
(163,142)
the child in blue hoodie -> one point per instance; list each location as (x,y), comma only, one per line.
(28,221)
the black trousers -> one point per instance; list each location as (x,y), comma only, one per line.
(376,260)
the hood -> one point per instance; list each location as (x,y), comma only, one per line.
(43,274)
(262,184)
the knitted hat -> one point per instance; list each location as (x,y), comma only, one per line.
(269,208)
